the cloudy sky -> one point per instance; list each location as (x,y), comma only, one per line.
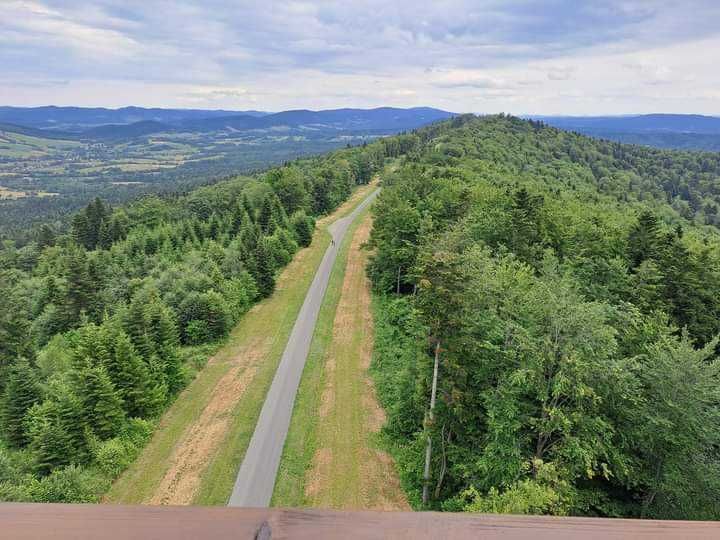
(539,57)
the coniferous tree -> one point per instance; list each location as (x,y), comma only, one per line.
(265,272)
(46,236)
(136,325)
(248,207)
(643,239)
(72,423)
(303,228)
(165,336)
(102,406)
(49,441)
(21,393)
(132,379)
(266,217)
(78,291)
(15,339)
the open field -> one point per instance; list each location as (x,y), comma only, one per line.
(330,458)
(79,170)
(195,452)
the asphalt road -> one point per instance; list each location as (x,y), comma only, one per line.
(256,478)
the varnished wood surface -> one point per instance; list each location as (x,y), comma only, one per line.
(110,522)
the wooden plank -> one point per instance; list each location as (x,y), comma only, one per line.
(110,522)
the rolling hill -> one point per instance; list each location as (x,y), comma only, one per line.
(680,131)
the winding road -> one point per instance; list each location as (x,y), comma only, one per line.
(256,479)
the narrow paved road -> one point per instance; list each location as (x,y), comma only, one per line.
(256,478)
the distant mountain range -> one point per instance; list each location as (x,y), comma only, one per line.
(130,122)
(681,131)
(81,118)
(655,123)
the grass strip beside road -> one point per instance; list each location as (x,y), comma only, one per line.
(331,457)
(272,320)
(301,441)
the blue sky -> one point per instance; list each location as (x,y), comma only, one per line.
(549,57)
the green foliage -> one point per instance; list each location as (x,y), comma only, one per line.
(207,309)
(303,227)
(21,393)
(104,313)
(69,484)
(576,307)
(544,494)
(264,269)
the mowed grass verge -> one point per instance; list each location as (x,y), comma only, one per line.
(301,441)
(272,320)
(331,457)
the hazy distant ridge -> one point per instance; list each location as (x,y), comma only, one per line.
(136,121)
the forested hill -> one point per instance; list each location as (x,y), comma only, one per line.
(680,131)
(569,291)
(101,328)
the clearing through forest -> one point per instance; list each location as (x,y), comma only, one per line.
(332,459)
(200,441)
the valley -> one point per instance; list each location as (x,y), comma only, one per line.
(72,154)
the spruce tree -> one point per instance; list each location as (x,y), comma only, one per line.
(46,236)
(70,417)
(135,383)
(167,344)
(266,218)
(643,239)
(265,272)
(49,441)
(15,337)
(136,325)
(248,207)
(21,393)
(102,406)
(77,298)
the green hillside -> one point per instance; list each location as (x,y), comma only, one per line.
(101,328)
(571,290)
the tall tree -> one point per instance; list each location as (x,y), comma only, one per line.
(21,393)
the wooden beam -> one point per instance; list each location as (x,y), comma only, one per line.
(110,522)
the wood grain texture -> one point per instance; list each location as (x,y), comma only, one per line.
(110,522)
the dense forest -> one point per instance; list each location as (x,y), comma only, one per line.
(100,328)
(563,294)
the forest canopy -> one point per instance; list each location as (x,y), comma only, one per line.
(567,290)
(101,327)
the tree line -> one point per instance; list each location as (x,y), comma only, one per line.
(559,297)
(103,325)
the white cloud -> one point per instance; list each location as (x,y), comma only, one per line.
(465,55)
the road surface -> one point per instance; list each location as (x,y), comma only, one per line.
(256,478)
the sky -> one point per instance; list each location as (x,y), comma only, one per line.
(574,57)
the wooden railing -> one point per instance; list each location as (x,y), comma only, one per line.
(109,522)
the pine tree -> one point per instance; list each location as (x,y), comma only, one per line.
(21,393)
(248,207)
(168,341)
(266,218)
(265,273)
(644,239)
(14,329)
(48,440)
(136,325)
(102,406)
(77,298)
(46,236)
